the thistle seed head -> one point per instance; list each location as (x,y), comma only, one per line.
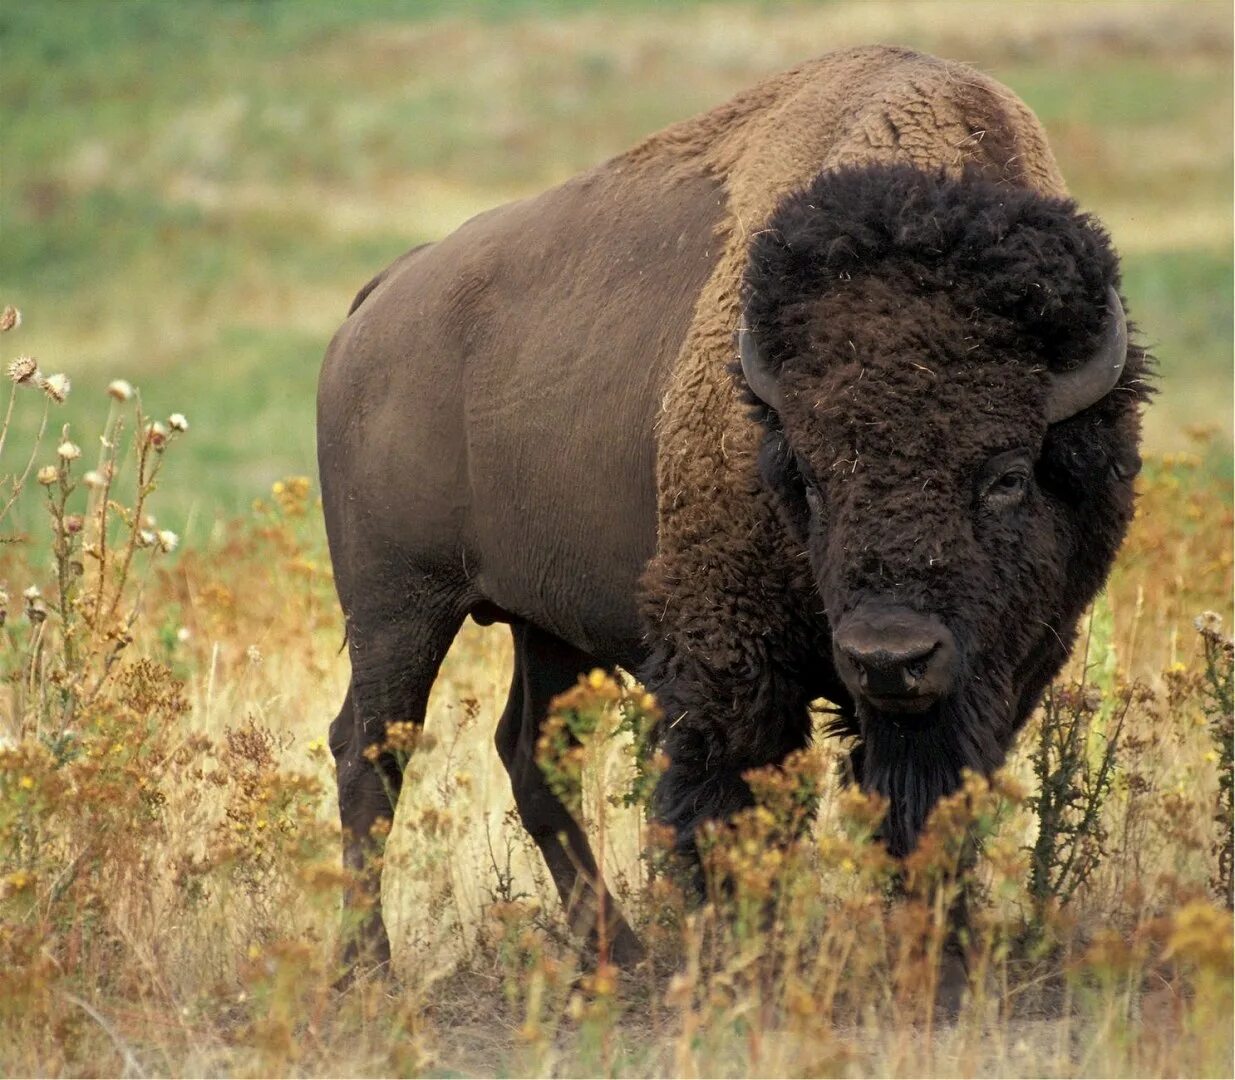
(57,387)
(1209,623)
(24,371)
(120,389)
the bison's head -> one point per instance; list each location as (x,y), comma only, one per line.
(952,417)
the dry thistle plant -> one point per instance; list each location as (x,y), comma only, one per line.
(1074,763)
(113,865)
(25,380)
(1218,705)
(76,635)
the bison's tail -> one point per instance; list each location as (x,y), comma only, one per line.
(363,295)
(374,282)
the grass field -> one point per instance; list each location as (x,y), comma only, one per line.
(197,217)
(192,194)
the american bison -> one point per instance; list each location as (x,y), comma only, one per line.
(827,392)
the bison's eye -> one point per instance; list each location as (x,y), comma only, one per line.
(1005,479)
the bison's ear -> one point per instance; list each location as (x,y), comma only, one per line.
(759,375)
(1126,467)
(779,472)
(1087,460)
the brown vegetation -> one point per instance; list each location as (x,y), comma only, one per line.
(169,874)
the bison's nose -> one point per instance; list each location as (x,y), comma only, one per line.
(899,660)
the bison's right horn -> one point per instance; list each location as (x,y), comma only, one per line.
(759,377)
(1081,387)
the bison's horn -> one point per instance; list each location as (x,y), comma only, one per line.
(759,377)
(1081,387)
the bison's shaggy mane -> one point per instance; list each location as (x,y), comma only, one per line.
(1032,269)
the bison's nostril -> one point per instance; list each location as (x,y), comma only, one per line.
(916,667)
(894,653)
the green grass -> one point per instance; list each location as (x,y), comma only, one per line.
(1182,301)
(194,191)
(1113,91)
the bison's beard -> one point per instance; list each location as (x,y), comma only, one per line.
(915,763)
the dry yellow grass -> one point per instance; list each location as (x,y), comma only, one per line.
(169,881)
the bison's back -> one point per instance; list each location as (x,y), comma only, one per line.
(540,402)
(488,408)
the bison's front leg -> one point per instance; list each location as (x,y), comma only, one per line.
(545,667)
(738,652)
(718,724)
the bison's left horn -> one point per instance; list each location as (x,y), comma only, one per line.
(1081,387)
(759,377)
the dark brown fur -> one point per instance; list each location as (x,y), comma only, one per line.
(915,321)
(535,421)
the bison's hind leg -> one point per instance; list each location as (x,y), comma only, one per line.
(545,667)
(396,640)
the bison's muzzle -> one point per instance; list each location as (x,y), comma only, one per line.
(894,659)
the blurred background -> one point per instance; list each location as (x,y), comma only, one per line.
(194,191)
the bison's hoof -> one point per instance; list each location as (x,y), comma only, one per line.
(626,951)
(952,987)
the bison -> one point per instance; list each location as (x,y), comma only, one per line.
(827,392)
